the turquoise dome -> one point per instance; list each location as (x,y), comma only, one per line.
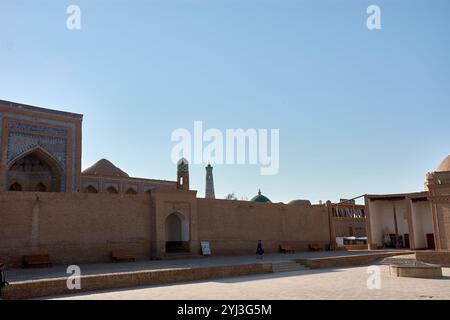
(260,198)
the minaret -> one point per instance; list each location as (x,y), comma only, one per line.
(209,192)
(183,174)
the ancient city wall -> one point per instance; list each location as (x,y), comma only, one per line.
(234,227)
(73,227)
(85,228)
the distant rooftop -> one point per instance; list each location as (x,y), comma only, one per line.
(398,196)
(16,105)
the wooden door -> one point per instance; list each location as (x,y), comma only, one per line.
(430,241)
(407,240)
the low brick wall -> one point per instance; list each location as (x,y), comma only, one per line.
(51,287)
(427,272)
(343,261)
(441,258)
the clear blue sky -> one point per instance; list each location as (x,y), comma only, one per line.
(359,111)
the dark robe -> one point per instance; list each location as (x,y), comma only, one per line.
(2,279)
(259,249)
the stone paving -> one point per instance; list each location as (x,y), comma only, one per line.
(342,283)
(20,274)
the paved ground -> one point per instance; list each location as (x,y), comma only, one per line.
(345,283)
(21,274)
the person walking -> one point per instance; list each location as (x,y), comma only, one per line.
(259,250)
(3,282)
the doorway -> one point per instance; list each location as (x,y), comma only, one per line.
(177,233)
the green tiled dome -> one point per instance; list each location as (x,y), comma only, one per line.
(260,198)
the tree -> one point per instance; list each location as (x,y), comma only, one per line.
(231,196)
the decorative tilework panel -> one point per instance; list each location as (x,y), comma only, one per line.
(20,143)
(38,129)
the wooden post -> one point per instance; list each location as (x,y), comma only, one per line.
(411,231)
(397,245)
(371,245)
(332,228)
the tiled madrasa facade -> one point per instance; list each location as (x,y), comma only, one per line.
(39,148)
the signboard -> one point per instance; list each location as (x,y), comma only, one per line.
(206,250)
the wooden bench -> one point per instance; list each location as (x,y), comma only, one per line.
(353,247)
(122,255)
(37,260)
(286,248)
(315,247)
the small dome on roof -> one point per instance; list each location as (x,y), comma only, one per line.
(260,198)
(445,165)
(183,165)
(105,168)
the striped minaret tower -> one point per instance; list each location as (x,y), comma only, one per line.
(209,193)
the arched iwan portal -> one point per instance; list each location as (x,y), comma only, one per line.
(177,233)
(34,171)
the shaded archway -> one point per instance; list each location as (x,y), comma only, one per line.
(40,187)
(90,189)
(112,190)
(177,233)
(131,191)
(15,187)
(35,170)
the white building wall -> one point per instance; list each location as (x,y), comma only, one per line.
(402,221)
(422,223)
(382,218)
